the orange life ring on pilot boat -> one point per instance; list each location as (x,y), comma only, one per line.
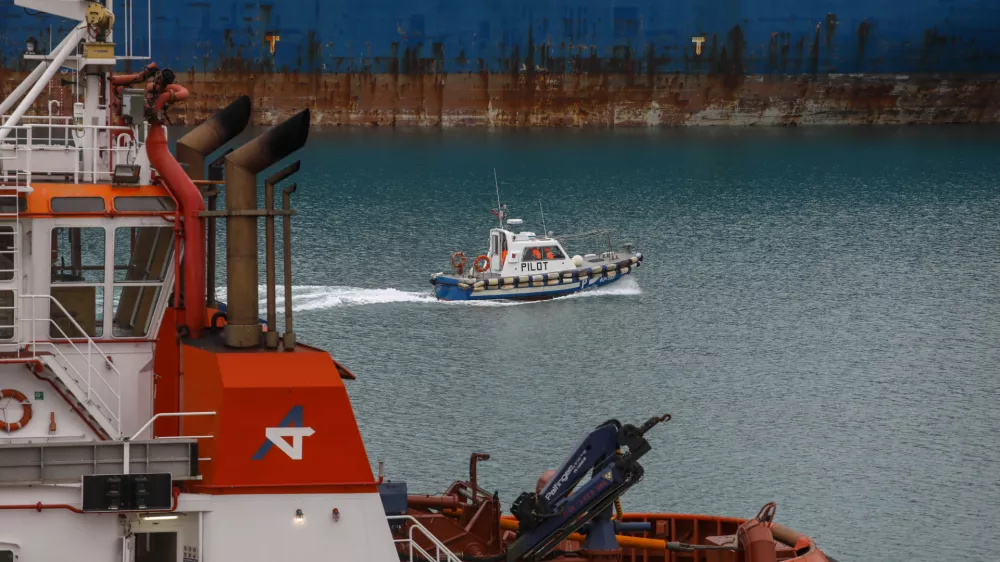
(482,263)
(25,410)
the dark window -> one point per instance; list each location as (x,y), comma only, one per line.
(134,307)
(149,204)
(8,253)
(142,253)
(85,304)
(77,282)
(77,204)
(7,207)
(79,255)
(142,256)
(542,253)
(7,306)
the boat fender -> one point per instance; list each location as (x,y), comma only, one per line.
(622,264)
(508,282)
(478,284)
(625,270)
(537,281)
(755,538)
(584,273)
(554,281)
(524,279)
(568,275)
(611,274)
(478,288)
(552,275)
(25,410)
(463,285)
(491,283)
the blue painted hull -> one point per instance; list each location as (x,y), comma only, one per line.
(563,36)
(446,288)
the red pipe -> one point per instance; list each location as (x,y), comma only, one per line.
(40,506)
(171,94)
(192,203)
(126,79)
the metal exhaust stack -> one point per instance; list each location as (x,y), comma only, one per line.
(208,137)
(193,148)
(242,166)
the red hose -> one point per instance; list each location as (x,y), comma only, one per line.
(192,203)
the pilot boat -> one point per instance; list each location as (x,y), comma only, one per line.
(525,266)
(142,421)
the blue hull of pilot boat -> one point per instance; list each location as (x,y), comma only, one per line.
(450,288)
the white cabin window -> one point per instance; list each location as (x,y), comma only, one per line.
(77,281)
(142,256)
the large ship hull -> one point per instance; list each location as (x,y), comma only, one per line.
(566,63)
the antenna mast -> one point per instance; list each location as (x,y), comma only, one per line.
(499,207)
(544,230)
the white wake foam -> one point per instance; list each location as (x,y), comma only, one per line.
(321,297)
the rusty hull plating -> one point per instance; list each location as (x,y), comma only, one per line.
(242,166)
(544,63)
(603,100)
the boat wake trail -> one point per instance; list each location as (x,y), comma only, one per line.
(321,297)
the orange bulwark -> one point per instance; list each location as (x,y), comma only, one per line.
(80,200)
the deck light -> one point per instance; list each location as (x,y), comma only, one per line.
(30,45)
(299,517)
(158,517)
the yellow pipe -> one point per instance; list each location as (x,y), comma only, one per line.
(623,540)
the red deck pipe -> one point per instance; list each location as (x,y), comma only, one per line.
(192,203)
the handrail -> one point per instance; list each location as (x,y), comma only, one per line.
(114,414)
(98,156)
(168,415)
(439,546)
(127,451)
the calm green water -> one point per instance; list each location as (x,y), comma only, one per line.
(818,310)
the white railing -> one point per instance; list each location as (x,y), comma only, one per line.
(173,415)
(127,447)
(93,376)
(87,152)
(439,547)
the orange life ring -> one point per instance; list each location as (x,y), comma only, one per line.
(480,260)
(458,260)
(25,410)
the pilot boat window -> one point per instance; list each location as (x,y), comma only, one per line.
(542,253)
(142,256)
(77,282)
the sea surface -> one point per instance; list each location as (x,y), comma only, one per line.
(818,310)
